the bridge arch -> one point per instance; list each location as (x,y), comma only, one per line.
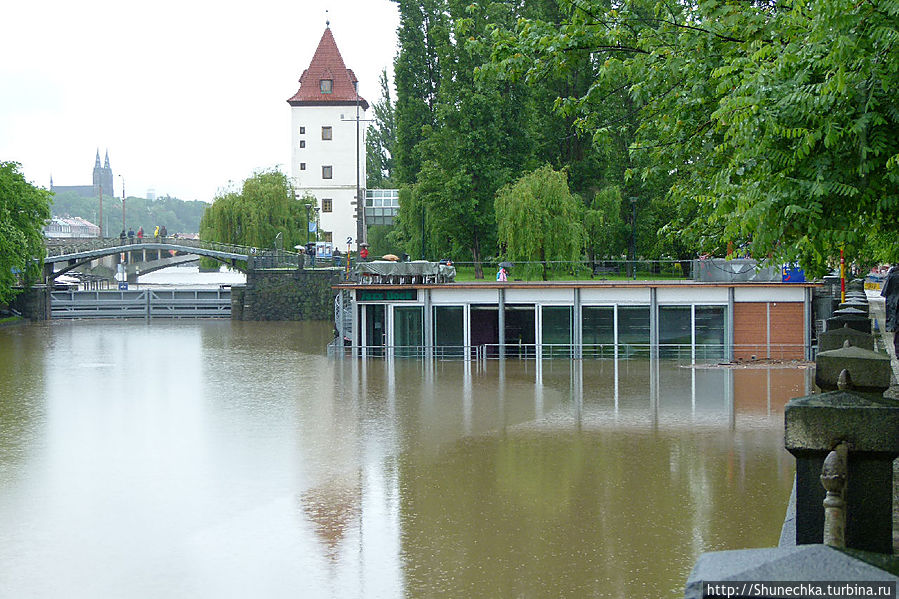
(77,253)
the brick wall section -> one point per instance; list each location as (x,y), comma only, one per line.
(751,328)
(285,295)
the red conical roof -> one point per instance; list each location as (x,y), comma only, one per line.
(327,64)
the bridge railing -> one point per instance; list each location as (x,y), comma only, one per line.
(61,247)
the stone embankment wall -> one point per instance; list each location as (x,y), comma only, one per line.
(285,295)
(33,303)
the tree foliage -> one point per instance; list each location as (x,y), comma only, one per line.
(459,136)
(539,218)
(775,126)
(24,209)
(177,215)
(381,139)
(265,206)
(603,226)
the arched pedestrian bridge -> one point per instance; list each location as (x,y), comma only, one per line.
(154,254)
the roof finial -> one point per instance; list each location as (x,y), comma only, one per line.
(327,20)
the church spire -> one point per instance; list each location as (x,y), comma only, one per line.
(97,163)
(106,162)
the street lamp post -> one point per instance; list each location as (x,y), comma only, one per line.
(308,206)
(123,202)
(634,235)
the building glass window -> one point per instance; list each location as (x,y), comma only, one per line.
(449,331)
(326,85)
(633,330)
(327,205)
(556,328)
(521,330)
(326,133)
(709,324)
(598,331)
(408,335)
(327,172)
(302,166)
(302,143)
(302,130)
(675,331)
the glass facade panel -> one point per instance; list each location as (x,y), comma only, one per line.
(633,331)
(675,331)
(521,331)
(375,329)
(407,331)
(710,332)
(485,327)
(449,331)
(557,331)
(598,331)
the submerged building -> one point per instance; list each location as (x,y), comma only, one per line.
(686,319)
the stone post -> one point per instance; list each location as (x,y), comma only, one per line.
(816,425)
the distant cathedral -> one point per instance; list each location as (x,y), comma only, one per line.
(102,180)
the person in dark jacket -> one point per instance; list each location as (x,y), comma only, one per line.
(890,292)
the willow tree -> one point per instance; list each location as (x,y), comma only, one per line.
(539,219)
(23,210)
(265,207)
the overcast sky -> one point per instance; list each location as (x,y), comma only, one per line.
(185,95)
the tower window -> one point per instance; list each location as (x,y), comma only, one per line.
(302,166)
(326,133)
(302,143)
(326,85)
(327,205)
(302,130)
(326,172)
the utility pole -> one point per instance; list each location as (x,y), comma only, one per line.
(360,202)
(101,211)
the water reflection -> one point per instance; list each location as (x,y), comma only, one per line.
(234,459)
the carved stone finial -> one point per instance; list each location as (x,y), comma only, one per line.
(844,382)
(834,474)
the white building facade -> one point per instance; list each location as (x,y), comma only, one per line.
(328,143)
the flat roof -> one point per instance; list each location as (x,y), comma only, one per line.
(575,284)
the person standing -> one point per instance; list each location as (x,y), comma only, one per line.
(156,234)
(890,292)
(130,235)
(140,234)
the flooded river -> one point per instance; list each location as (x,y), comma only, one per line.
(230,459)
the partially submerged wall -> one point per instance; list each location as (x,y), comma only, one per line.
(285,295)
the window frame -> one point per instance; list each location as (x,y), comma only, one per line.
(327,133)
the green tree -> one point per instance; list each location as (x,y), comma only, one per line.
(381,139)
(265,206)
(24,209)
(417,75)
(603,225)
(467,129)
(538,218)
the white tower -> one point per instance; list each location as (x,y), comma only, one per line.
(324,141)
